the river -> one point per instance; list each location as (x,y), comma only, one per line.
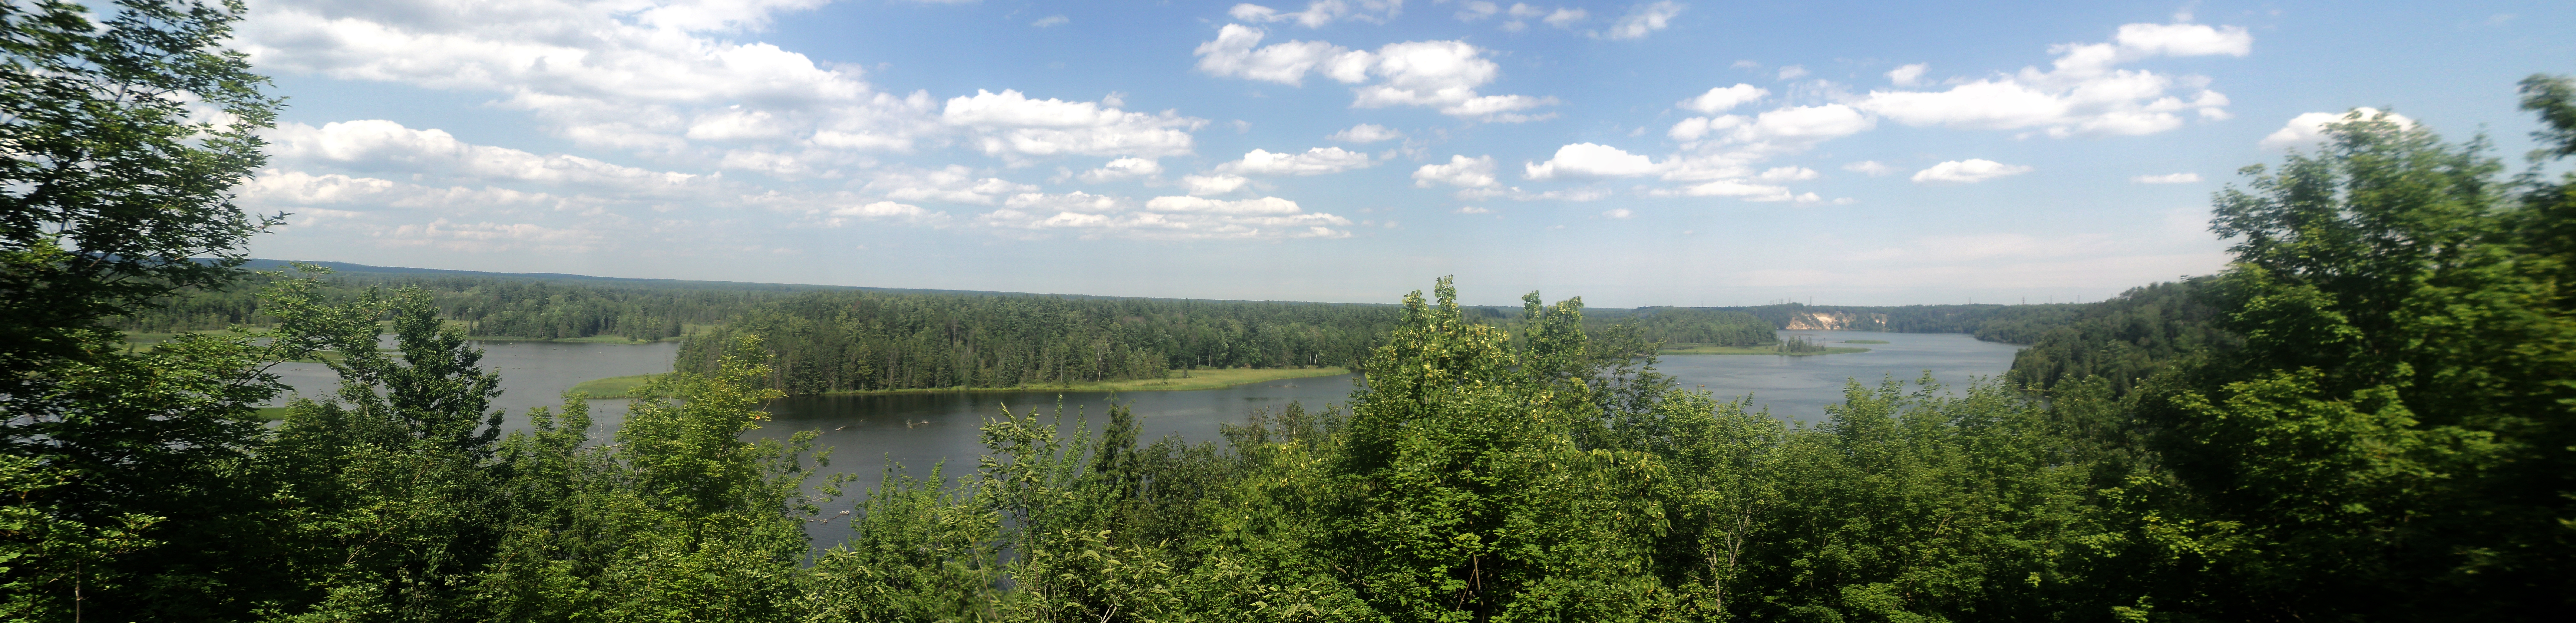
(920,430)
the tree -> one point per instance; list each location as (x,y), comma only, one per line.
(2385,433)
(109,196)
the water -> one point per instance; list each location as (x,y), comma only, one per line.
(533,374)
(920,430)
(1798,388)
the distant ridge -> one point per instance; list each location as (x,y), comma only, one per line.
(346,267)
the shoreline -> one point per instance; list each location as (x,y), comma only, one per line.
(1731,350)
(616,387)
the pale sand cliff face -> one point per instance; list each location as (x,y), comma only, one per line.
(1837,321)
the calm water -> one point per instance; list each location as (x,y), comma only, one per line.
(533,374)
(1798,388)
(920,430)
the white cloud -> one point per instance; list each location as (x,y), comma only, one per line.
(609,74)
(1011,123)
(1051,21)
(1472,210)
(386,146)
(1320,13)
(1792,72)
(1968,171)
(950,184)
(1788,174)
(1461,171)
(1871,168)
(1316,161)
(1168,218)
(1909,75)
(1204,185)
(1123,169)
(1436,74)
(1566,18)
(2084,93)
(1721,99)
(2174,178)
(1617,213)
(887,211)
(2309,129)
(1476,10)
(2184,40)
(1365,133)
(1233,54)
(1644,19)
(1729,188)
(1590,160)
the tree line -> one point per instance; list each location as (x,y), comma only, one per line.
(487,306)
(2372,426)
(847,341)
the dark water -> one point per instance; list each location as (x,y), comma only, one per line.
(920,430)
(533,374)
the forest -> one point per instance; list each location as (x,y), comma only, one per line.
(2366,416)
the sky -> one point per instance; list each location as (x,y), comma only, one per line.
(1632,153)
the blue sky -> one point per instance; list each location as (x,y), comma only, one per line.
(1634,153)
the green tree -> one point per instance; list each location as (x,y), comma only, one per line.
(109,197)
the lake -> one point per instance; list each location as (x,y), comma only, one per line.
(920,430)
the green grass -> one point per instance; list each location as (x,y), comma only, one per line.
(1713,349)
(613,387)
(1864,341)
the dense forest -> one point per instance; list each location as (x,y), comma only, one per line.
(843,341)
(862,341)
(501,306)
(2366,417)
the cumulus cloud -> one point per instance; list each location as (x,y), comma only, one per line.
(1320,13)
(1123,169)
(1909,75)
(1781,129)
(950,184)
(1317,161)
(1365,133)
(617,75)
(1168,218)
(1461,171)
(1590,160)
(384,146)
(1870,168)
(1472,210)
(1011,123)
(2310,129)
(1442,75)
(1205,185)
(885,211)
(1968,171)
(1788,174)
(1792,72)
(1721,99)
(2083,93)
(2173,178)
(1617,213)
(1644,19)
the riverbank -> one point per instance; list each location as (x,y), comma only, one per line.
(1712,349)
(624,386)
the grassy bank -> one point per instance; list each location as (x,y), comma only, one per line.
(623,386)
(613,387)
(1864,341)
(1712,349)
